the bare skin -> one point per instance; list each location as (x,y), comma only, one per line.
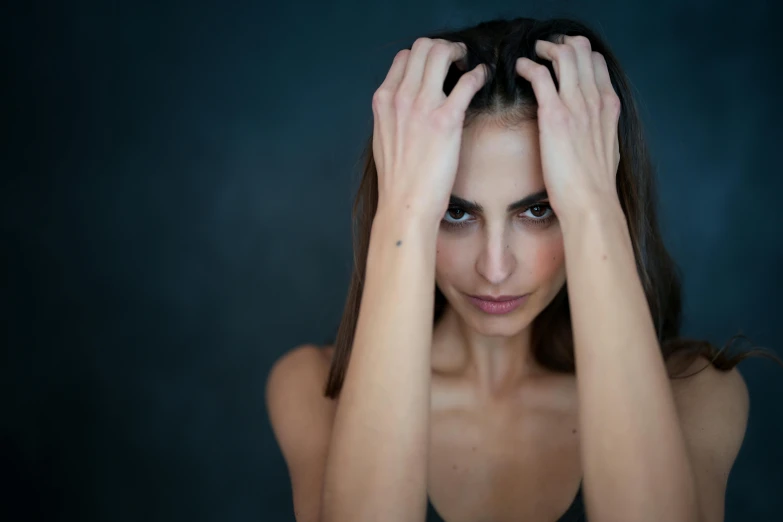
(497,252)
(503,430)
(478,466)
(491,402)
(504,440)
(516,460)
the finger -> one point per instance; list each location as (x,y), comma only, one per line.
(602,80)
(590,105)
(414,69)
(604,85)
(563,62)
(382,107)
(396,71)
(377,140)
(439,59)
(467,86)
(584,66)
(541,80)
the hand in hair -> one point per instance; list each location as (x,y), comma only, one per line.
(418,130)
(577,126)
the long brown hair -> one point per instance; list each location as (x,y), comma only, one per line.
(509,99)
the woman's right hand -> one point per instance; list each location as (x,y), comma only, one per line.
(417,130)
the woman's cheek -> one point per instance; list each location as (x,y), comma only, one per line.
(549,261)
(446,259)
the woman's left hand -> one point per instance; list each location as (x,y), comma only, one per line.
(577,126)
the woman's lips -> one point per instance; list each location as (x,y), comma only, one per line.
(498,298)
(498,307)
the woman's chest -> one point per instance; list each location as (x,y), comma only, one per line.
(484,470)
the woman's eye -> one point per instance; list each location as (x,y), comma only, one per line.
(539,211)
(538,215)
(456,214)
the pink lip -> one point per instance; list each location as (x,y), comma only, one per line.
(498,298)
(498,305)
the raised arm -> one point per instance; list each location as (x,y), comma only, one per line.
(376,467)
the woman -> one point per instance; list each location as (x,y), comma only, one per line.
(507,241)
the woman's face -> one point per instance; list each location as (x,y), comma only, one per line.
(497,251)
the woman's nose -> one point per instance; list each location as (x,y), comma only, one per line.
(496,262)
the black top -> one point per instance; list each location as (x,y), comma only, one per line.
(575,512)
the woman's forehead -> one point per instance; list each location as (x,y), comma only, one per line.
(498,165)
(489,152)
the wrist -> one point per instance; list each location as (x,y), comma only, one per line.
(590,212)
(402,250)
(406,219)
(400,234)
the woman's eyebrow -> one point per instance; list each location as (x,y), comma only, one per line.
(472,206)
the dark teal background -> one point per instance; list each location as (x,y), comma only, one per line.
(175,206)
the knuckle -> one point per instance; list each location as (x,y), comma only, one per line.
(444,118)
(593,100)
(421,41)
(540,72)
(402,54)
(581,41)
(612,101)
(402,99)
(381,97)
(440,47)
(564,51)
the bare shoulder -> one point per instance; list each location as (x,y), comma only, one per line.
(300,414)
(301,418)
(713,406)
(327,351)
(700,377)
(300,372)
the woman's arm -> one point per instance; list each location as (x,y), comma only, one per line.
(376,468)
(634,456)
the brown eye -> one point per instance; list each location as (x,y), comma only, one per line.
(541,214)
(458,211)
(538,210)
(450,220)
